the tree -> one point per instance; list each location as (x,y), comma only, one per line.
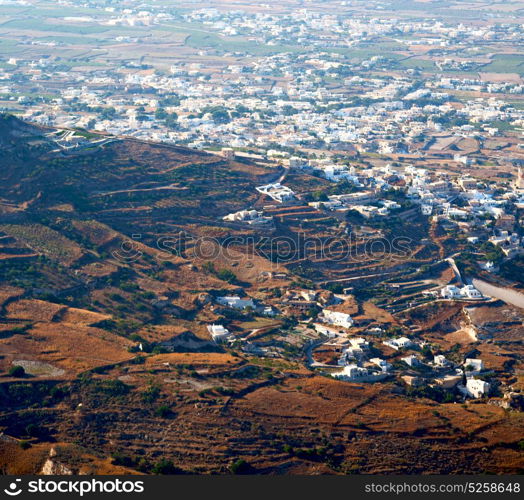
(163,411)
(17,371)
(240,466)
(320,196)
(171,120)
(24,444)
(426,352)
(226,275)
(165,467)
(220,116)
(289,110)
(32,430)
(161,114)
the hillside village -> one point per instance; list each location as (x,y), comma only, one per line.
(274,239)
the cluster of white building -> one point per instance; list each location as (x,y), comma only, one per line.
(465,292)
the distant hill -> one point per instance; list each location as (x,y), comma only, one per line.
(121,174)
(69,201)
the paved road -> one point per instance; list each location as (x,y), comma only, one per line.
(311,363)
(506,294)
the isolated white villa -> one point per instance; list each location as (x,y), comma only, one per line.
(218,333)
(476,388)
(337,318)
(277,191)
(400,343)
(235,302)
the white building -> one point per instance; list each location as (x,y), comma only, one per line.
(412,360)
(218,333)
(440,360)
(359,343)
(268,311)
(488,266)
(400,343)
(352,372)
(426,209)
(242,215)
(249,217)
(324,330)
(471,292)
(351,353)
(390,204)
(337,318)
(357,374)
(473,366)
(476,388)
(466,292)
(277,191)
(235,302)
(451,292)
(381,363)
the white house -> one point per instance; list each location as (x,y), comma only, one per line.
(440,360)
(218,333)
(277,191)
(359,342)
(476,388)
(351,353)
(324,330)
(487,266)
(400,343)
(381,363)
(235,302)
(470,292)
(248,216)
(411,360)
(268,311)
(426,209)
(473,366)
(337,318)
(242,215)
(466,292)
(390,204)
(357,374)
(352,372)
(451,292)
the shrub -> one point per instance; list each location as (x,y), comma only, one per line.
(240,466)
(32,430)
(120,459)
(24,444)
(17,371)
(163,411)
(151,394)
(165,467)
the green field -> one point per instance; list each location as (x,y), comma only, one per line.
(35,24)
(506,63)
(199,40)
(415,63)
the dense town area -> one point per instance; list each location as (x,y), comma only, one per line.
(223,214)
